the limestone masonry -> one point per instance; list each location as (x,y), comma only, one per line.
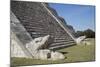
(37,31)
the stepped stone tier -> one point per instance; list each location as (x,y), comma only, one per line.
(37,30)
(38,21)
(33,47)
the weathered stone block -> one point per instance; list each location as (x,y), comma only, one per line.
(57,56)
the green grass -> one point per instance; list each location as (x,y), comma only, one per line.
(77,53)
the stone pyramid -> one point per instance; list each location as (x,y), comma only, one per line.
(30,20)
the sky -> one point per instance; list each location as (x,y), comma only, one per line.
(81,17)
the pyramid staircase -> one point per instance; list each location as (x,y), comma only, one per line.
(39,22)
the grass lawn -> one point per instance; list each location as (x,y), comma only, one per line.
(77,53)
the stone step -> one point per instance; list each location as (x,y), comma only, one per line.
(33,25)
(61,43)
(34,29)
(61,46)
(61,35)
(65,40)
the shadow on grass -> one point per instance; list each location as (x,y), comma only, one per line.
(63,52)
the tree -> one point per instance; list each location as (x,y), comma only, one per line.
(88,33)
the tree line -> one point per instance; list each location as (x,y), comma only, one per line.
(88,33)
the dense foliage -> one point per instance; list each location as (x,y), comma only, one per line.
(88,33)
